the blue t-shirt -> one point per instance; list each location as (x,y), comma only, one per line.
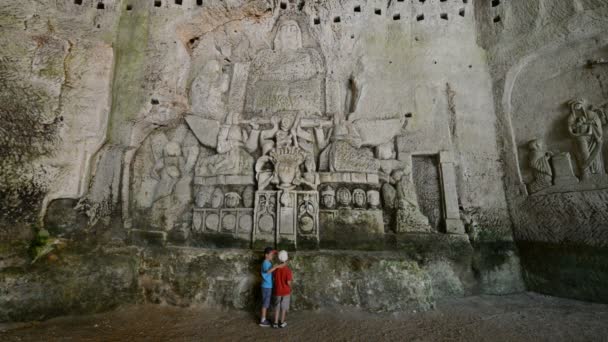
(266,277)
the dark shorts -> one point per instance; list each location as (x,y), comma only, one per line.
(266,296)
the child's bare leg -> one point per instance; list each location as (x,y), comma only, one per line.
(283,315)
(263,312)
(276,315)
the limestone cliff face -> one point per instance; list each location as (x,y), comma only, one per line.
(542,56)
(145,121)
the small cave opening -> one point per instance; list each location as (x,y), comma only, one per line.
(420,17)
(78,2)
(317,21)
(397,16)
(495,3)
(158,3)
(357,9)
(337,20)
(378,11)
(154,102)
(461,12)
(178,2)
(444,16)
(199,2)
(283,5)
(497,19)
(129,7)
(100,5)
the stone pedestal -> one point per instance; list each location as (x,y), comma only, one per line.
(563,173)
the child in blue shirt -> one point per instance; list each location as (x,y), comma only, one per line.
(267,270)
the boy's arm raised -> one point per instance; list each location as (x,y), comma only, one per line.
(276,267)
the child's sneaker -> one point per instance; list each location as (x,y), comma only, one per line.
(283,325)
(275,325)
(265,323)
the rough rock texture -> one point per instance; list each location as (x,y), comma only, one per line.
(153,122)
(73,281)
(543,54)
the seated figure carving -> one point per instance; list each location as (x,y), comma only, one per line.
(344,152)
(234,147)
(283,149)
(541,168)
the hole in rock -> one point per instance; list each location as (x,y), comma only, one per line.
(420,17)
(78,2)
(497,19)
(397,17)
(283,5)
(495,3)
(408,115)
(100,5)
(461,12)
(352,36)
(199,2)
(444,16)
(378,11)
(442,0)
(357,9)
(465,1)
(336,19)
(317,21)
(178,2)
(422,1)
(129,7)
(157,3)
(154,101)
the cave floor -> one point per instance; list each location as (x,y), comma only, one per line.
(521,317)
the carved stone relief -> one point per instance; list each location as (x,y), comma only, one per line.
(263,163)
(554,171)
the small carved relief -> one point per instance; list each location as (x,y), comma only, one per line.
(373,199)
(343,197)
(585,126)
(539,162)
(328,197)
(359,198)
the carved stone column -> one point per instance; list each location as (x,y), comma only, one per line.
(451,213)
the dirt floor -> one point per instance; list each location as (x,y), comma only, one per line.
(524,317)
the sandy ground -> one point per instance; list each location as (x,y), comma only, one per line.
(524,317)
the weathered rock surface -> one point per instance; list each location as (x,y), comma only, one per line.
(77,281)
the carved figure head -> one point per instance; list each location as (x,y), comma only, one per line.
(248,197)
(397,175)
(286,122)
(328,197)
(577,104)
(536,145)
(343,196)
(172,149)
(373,199)
(232,200)
(217,198)
(288,36)
(359,198)
(386,151)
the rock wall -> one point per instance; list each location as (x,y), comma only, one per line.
(78,279)
(197,126)
(546,60)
